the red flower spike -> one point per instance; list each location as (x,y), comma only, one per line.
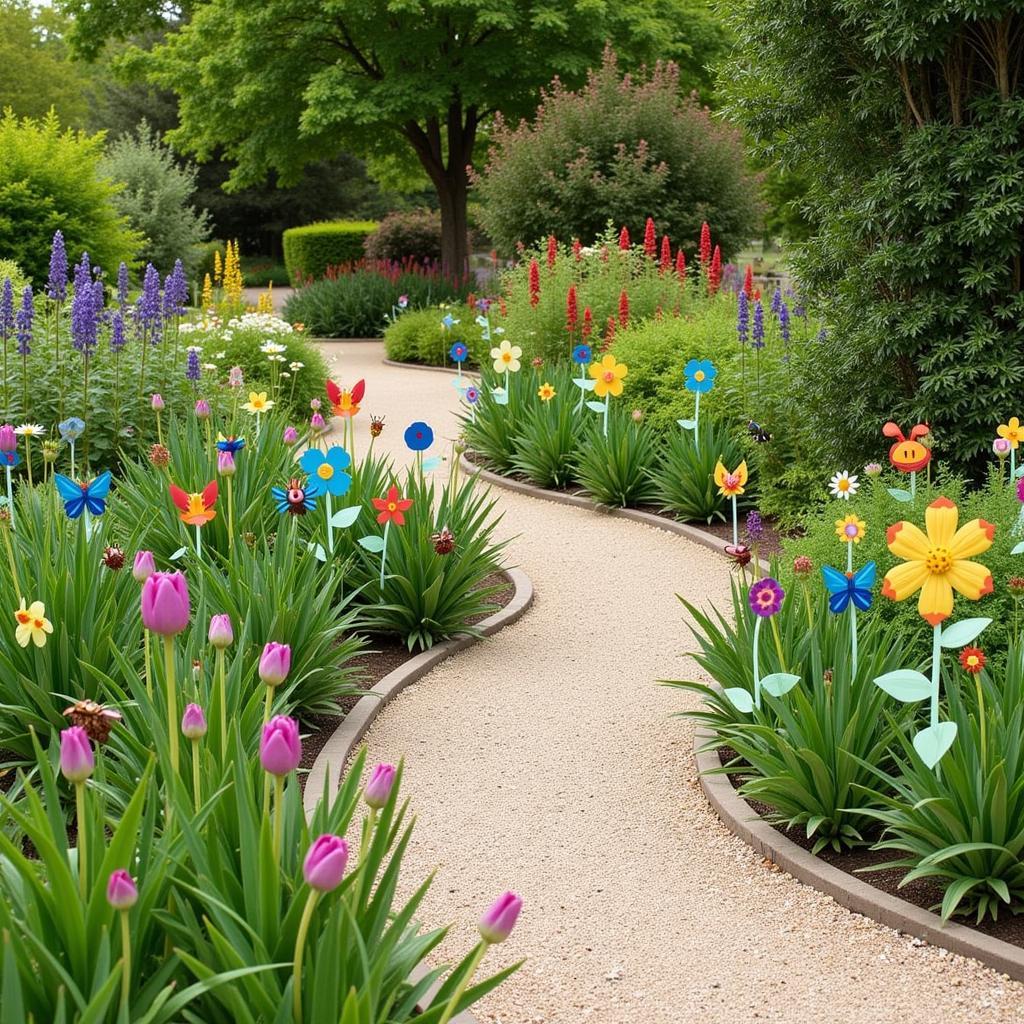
(552,251)
(681,266)
(623,309)
(534,283)
(650,246)
(576,249)
(666,254)
(609,333)
(588,323)
(705,246)
(748,280)
(715,272)
(571,310)
(624,242)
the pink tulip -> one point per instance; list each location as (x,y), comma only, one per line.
(165,604)
(378,786)
(76,757)
(275,663)
(122,893)
(280,746)
(8,439)
(497,924)
(193,722)
(325,863)
(144,566)
(221,634)
(225,464)
(203,409)
(291,435)
(316,422)
(157,402)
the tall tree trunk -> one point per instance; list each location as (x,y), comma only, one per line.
(451,180)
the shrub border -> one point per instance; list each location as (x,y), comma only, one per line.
(744,822)
(344,740)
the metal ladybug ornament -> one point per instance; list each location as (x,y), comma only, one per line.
(908,454)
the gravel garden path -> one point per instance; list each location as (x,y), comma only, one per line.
(546,761)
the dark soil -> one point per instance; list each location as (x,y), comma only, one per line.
(770,544)
(384,655)
(924,892)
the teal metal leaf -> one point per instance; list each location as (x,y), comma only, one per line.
(372,543)
(933,742)
(899,494)
(741,699)
(687,424)
(779,683)
(432,463)
(596,406)
(905,684)
(345,517)
(961,633)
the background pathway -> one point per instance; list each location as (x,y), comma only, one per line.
(546,761)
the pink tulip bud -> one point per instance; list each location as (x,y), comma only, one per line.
(165,604)
(291,435)
(280,746)
(378,786)
(225,464)
(203,409)
(8,439)
(144,566)
(316,422)
(314,404)
(275,663)
(76,757)
(497,924)
(193,722)
(325,863)
(122,893)
(221,634)
(157,402)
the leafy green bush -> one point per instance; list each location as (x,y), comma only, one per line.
(10,271)
(414,234)
(311,249)
(155,198)
(360,302)
(418,335)
(616,469)
(262,271)
(621,148)
(49,182)
(490,428)
(685,474)
(963,826)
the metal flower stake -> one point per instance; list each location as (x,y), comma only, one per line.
(731,485)
(390,509)
(937,563)
(699,377)
(196,509)
(907,455)
(607,375)
(850,591)
(506,357)
(327,469)
(581,356)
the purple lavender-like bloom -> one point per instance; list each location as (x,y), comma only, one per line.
(776,301)
(23,322)
(122,285)
(758,325)
(822,334)
(83,308)
(784,321)
(175,291)
(755,528)
(57,287)
(6,309)
(743,317)
(117,338)
(192,371)
(149,307)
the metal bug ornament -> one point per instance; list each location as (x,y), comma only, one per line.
(907,455)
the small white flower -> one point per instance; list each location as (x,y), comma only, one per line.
(295,366)
(209,366)
(30,430)
(844,486)
(285,373)
(219,355)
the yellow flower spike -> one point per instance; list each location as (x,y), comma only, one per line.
(850,529)
(1012,431)
(731,484)
(608,375)
(937,561)
(33,625)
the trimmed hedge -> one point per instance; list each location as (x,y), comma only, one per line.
(311,249)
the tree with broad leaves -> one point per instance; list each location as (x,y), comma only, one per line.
(280,83)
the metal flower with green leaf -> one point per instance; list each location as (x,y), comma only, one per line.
(938,562)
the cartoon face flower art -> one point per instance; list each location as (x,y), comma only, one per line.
(938,561)
(297,498)
(328,470)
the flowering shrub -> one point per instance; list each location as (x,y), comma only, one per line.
(406,235)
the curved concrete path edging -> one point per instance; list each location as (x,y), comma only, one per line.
(846,889)
(743,821)
(343,741)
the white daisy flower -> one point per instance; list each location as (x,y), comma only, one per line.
(844,486)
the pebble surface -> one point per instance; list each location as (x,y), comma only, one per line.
(548,761)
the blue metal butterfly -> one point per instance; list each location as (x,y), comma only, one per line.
(230,444)
(846,587)
(79,497)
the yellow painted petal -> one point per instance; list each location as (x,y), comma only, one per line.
(905,540)
(903,580)
(495,353)
(595,370)
(620,370)
(936,601)
(741,472)
(719,474)
(615,388)
(940,519)
(972,539)
(22,635)
(37,610)
(971,579)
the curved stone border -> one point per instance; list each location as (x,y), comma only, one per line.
(428,367)
(338,749)
(343,741)
(743,821)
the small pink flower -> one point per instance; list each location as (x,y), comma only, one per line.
(193,722)
(77,760)
(496,925)
(325,863)
(122,893)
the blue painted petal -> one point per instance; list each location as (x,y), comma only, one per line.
(312,459)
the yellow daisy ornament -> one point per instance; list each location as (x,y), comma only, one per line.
(506,357)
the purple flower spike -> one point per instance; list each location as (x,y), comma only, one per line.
(57,286)
(23,322)
(758,325)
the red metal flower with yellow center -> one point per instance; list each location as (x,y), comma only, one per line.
(937,561)
(392,508)
(196,509)
(345,401)
(972,660)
